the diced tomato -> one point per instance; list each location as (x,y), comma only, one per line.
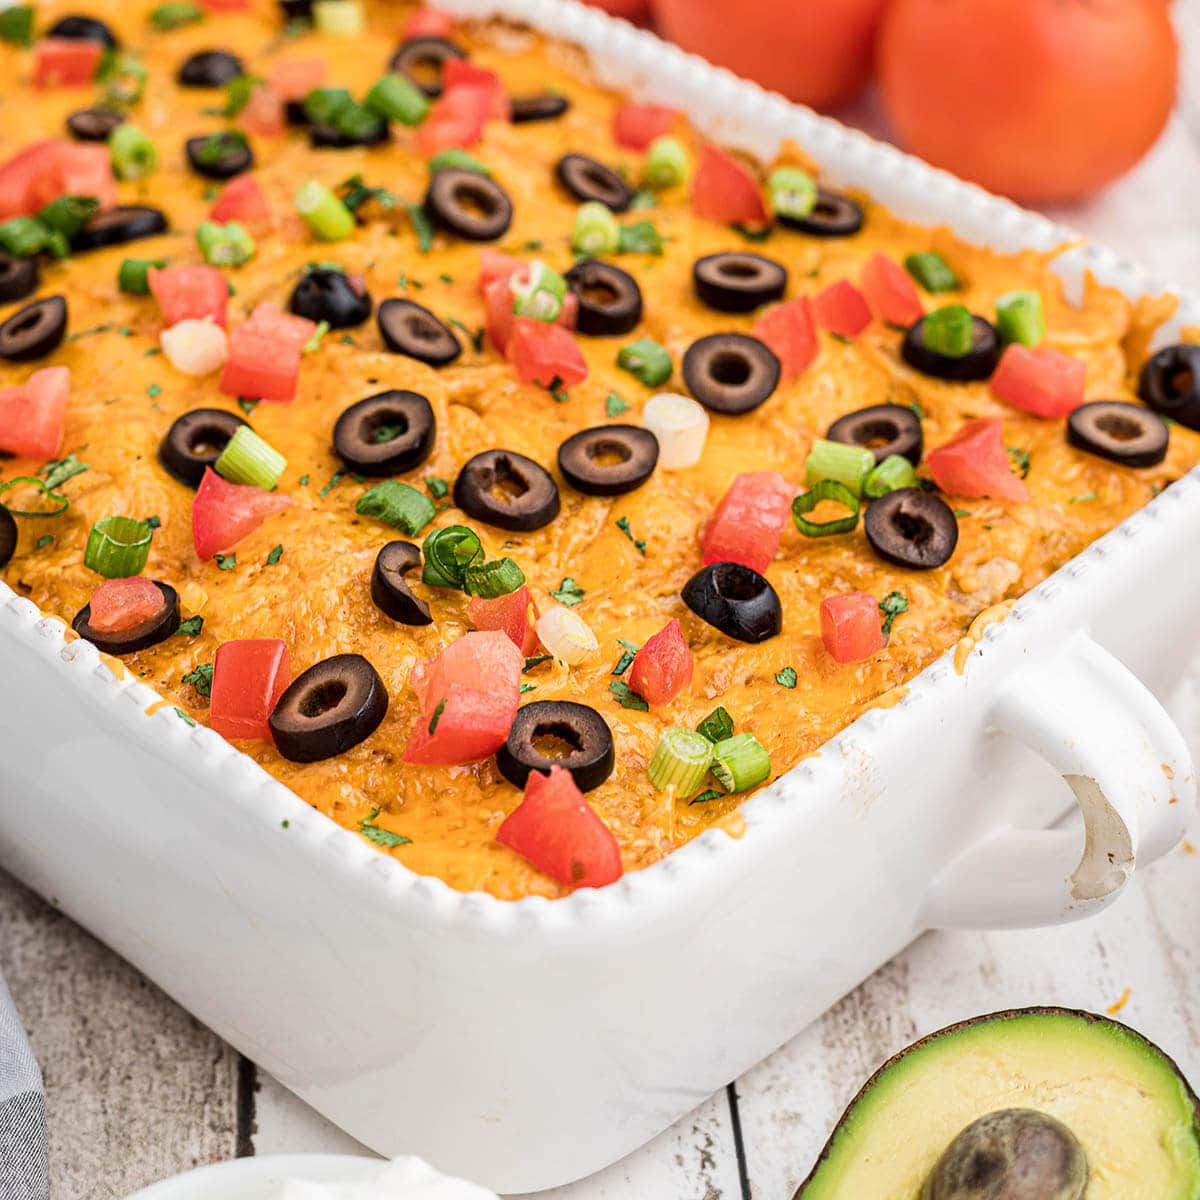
(890,291)
(120,604)
(545,353)
(270,319)
(509,614)
(494,264)
(460,74)
(244,201)
(249,676)
(264,355)
(637,125)
(974,463)
(790,330)
(184,292)
(498,299)
(1040,380)
(54,167)
(750,520)
(456,120)
(556,830)
(428,22)
(662,668)
(65,62)
(851,626)
(263,114)
(223,513)
(294,78)
(33,416)
(486,660)
(226,5)
(842,309)
(724,190)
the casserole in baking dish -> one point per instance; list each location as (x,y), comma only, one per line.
(528,1043)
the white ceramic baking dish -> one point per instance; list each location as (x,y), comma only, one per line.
(527,1044)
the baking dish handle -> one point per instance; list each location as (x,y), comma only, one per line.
(1092,720)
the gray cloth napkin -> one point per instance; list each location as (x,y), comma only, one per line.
(24,1154)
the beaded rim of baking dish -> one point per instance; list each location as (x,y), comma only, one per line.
(735,112)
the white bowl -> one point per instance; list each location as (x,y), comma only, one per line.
(252,1178)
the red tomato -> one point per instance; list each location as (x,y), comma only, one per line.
(243,200)
(544,353)
(819,54)
(249,676)
(750,520)
(456,120)
(851,627)
(662,668)
(294,78)
(428,22)
(54,167)
(465,726)
(459,74)
(555,830)
(842,309)
(1051,99)
(1042,380)
(890,291)
(120,604)
(637,125)
(790,330)
(291,330)
(494,264)
(226,5)
(66,62)
(509,614)
(974,463)
(260,366)
(724,190)
(263,114)
(184,292)
(33,416)
(487,660)
(631,10)
(223,513)
(498,302)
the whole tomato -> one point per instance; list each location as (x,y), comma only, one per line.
(1044,100)
(816,51)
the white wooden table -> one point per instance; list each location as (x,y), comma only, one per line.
(138,1090)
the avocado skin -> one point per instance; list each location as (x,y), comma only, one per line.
(958,1026)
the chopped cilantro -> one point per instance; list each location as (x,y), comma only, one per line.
(892,605)
(422,227)
(437,716)
(704,797)
(1020,460)
(569,592)
(47,539)
(787,677)
(840,337)
(1083,498)
(314,343)
(536,661)
(347,340)
(226,562)
(717,726)
(191,627)
(155,521)
(528,687)
(446,278)
(151,352)
(275,555)
(201,679)
(628,654)
(381,837)
(614,405)
(185,718)
(304,480)
(962,512)
(387,433)
(623,526)
(753,233)
(640,238)
(338,476)
(627,697)
(355,193)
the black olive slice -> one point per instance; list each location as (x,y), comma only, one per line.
(738,282)
(912,528)
(544,106)
(324,294)
(83,29)
(587,179)
(610,301)
(736,600)
(329,709)
(469,205)
(883,429)
(18,278)
(730,373)
(329,137)
(8,536)
(1123,433)
(558,733)
(296,10)
(219,155)
(210,69)
(507,490)
(35,330)
(389,588)
(94,124)
(195,441)
(386,434)
(1170,384)
(116,226)
(421,61)
(147,633)
(835,215)
(609,460)
(408,328)
(978,363)
(295,113)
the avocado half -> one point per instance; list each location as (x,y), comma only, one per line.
(1131,1111)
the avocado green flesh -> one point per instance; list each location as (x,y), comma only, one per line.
(1122,1098)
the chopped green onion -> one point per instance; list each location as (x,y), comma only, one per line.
(846,464)
(642,237)
(647,361)
(894,473)
(596,230)
(324,214)
(457,160)
(740,762)
(16,25)
(825,489)
(227,245)
(322,105)
(359,123)
(398,99)
(538,292)
(118,547)
(238,93)
(949,331)
(124,78)
(50,494)
(493,579)
(666,163)
(133,154)
(174,16)
(398,505)
(717,726)
(792,192)
(680,761)
(448,553)
(1019,318)
(248,459)
(341,18)
(932,272)
(24,237)
(68,214)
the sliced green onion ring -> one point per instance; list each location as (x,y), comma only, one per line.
(455,159)
(950,331)
(647,361)
(228,245)
(118,547)
(248,459)
(680,761)
(448,553)
(491,580)
(134,155)
(666,163)
(398,505)
(133,276)
(23,237)
(596,230)
(68,214)
(825,489)
(893,474)
(62,502)
(398,99)
(843,463)
(325,215)
(792,192)
(538,292)
(740,763)
(932,272)
(1020,318)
